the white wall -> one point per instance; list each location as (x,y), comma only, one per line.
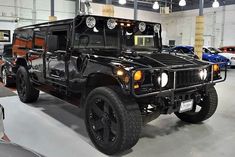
(180,26)
(128,13)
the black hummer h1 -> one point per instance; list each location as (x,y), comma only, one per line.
(113,66)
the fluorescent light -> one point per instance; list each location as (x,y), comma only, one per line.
(182,3)
(155,5)
(122,2)
(215,4)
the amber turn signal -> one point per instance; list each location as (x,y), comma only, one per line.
(138,75)
(215,67)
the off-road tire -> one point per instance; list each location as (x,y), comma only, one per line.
(128,118)
(5,79)
(27,93)
(208,108)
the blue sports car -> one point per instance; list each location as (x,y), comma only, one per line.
(211,57)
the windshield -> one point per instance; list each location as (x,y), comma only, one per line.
(125,35)
(214,50)
(96,37)
(135,39)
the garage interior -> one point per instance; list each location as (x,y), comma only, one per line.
(55,128)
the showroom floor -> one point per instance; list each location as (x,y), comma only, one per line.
(56,129)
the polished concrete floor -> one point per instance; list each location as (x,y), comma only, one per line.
(56,129)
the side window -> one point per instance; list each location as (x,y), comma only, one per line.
(22,42)
(39,39)
(62,39)
(205,50)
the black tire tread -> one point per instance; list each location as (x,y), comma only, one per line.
(210,106)
(32,94)
(131,118)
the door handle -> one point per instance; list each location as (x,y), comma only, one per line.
(49,53)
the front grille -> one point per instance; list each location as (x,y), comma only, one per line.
(187,78)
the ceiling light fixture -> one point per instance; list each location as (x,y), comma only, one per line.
(215,4)
(156,5)
(182,3)
(122,2)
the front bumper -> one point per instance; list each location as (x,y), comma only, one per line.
(174,89)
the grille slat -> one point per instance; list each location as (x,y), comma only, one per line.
(187,78)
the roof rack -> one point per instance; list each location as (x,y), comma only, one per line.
(66,21)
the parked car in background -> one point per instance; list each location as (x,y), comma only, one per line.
(214,58)
(229,56)
(7,64)
(228,49)
(184,51)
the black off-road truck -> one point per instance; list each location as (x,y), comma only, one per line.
(115,69)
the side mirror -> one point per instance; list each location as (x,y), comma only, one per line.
(52,43)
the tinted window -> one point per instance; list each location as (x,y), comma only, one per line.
(62,39)
(39,39)
(98,37)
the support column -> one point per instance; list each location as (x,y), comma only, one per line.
(135,9)
(108,9)
(199,32)
(34,13)
(78,7)
(52,17)
(223,25)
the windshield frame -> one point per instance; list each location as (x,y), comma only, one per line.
(80,20)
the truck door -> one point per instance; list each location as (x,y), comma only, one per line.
(35,53)
(55,57)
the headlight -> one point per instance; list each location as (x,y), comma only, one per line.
(163,79)
(138,75)
(203,74)
(232,58)
(122,74)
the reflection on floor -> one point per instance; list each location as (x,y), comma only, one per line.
(56,129)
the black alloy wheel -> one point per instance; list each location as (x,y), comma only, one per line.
(26,92)
(113,120)
(103,121)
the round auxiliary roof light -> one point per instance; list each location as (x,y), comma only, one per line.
(111,23)
(142,26)
(90,22)
(156,28)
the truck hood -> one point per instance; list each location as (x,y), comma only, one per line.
(149,60)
